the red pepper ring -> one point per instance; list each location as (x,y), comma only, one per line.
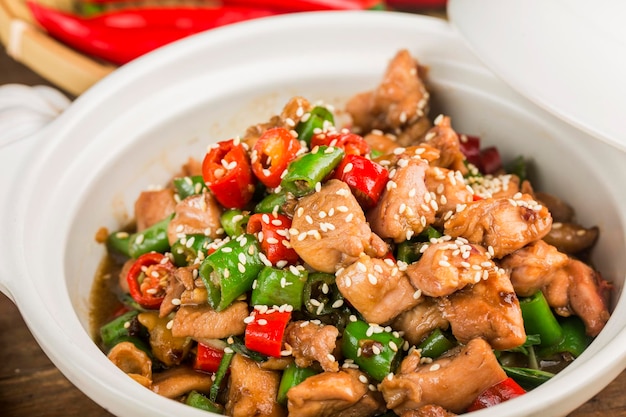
(351,143)
(273,152)
(227,173)
(496,394)
(275,237)
(264,334)
(366,178)
(148,278)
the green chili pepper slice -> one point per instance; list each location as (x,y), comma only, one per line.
(234,222)
(190,248)
(274,202)
(292,376)
(373,349)
(221,374)
(539,319)
(528,378)
(436,344)
(319,117)
(311,168)
(575,339)
(153,239)
(231,270)
(125,328)
(321,295)
(276,287)
(197,400)
(188,186)
(119,242)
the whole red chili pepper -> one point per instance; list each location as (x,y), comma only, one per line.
(275,242)
(310,5)
(366,178)
(227,173)
(351,143)
(265,333)
(148,277)
(272,153)
(496,394)
(121,36)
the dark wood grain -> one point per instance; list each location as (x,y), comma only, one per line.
(30,385)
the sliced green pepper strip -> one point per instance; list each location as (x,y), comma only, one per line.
(231,270)
(221,374)
(188,186)
(409,251)
(319,116)
(374,350)
(311,168)
(575,339)
(292,376)
(518,167)
(273,203)
(435,344)
(276,287)
(539,319)
(152,239)
(197,400)
(186,250)
(320,294)
(528,378)
(124,328)
(234,222)
(119,242)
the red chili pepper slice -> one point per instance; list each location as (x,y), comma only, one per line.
(227,173)
(470,147)
(265,333)
(275,241)
(272,153)
(366,178)
(351,143)
(496,394)
(148,278)
(490,160)
(208,358)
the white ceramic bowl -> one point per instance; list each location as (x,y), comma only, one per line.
(138,125)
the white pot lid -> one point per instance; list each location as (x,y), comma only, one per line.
(567,56)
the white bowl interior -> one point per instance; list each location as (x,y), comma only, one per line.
(106,154)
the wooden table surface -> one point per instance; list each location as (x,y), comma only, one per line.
(30,385)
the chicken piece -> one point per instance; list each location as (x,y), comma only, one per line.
(180,281)
(451,382)
(502,225)
(329,230)
(153,206)
(192,168)
(569,285)
(334,394)
(421,151)
(494,186)
(166,347)
(417,323)
(405,207)
(530,267)
(399,101)
(429,410)
(384,143)
(489,309)
(196,214)
(178,381)
(289,117)
(377,289)
(448,189)
(415,132)
(204,322)
(251,390)
(133,361)
(560,210)
(311,343)
(448,266)
(444,138)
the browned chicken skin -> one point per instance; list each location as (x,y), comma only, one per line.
(153,206)
(197,214)
(377,289)
(310,343)
(569,285)
(334,394)
(451,382)
(422,319)
(204,322)
(502,225)
(329,230)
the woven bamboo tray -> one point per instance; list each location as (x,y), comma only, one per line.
(29,44)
